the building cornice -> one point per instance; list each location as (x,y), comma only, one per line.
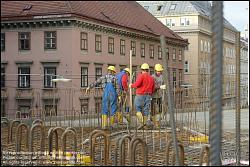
(49,22)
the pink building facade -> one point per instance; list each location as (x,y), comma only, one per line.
(34,50)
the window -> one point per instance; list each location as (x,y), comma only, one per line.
(159,52)
(151,51)
(50,40)
(142,49)
(50,110)
(186,92)
(98,72)
(84,76)
(174,78)
(133,48)
(184,22)
(2,42)
(49,74)
(180,77)
(151,70)
(167,51)
(172,7)
(186,67)
(111,45)
(170,22)
(2,77)
(180,55)
(25,111)
(24,77)
(84,41)
(134,69)
(159,7)
(98,104)
(84,106)
(122,47)
(24,40)
(174,54)
(208,47)
(98,43)
(3,109)
(205,46)
(201,46)
(146,7)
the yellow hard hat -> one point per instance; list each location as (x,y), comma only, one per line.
(145,66)
(158,67)
(112,68)
(127,69)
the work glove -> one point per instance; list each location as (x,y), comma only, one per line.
(163,87)
(87,89)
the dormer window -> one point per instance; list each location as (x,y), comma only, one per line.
(172,7)
(159,8)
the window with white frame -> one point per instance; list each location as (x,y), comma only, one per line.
(184,22)
(49,74)
(170,22)
(186,67)
(23,77)
(50,40)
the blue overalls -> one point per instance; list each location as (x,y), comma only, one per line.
(109,99)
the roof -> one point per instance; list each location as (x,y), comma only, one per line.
(128,14)
(203,8)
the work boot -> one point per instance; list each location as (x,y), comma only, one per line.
(140,120)
(119,117)
(104,121)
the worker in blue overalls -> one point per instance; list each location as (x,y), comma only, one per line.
(122,80)
(109,84)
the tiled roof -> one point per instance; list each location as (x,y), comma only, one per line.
(182,7)
(128,14)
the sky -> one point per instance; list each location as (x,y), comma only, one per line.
(236,13)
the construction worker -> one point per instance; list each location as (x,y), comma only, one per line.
(144,85)
(109,84)
(122,80)
(156,105)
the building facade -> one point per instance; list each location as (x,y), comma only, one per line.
(192,20)
(50,39)
(244,66)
